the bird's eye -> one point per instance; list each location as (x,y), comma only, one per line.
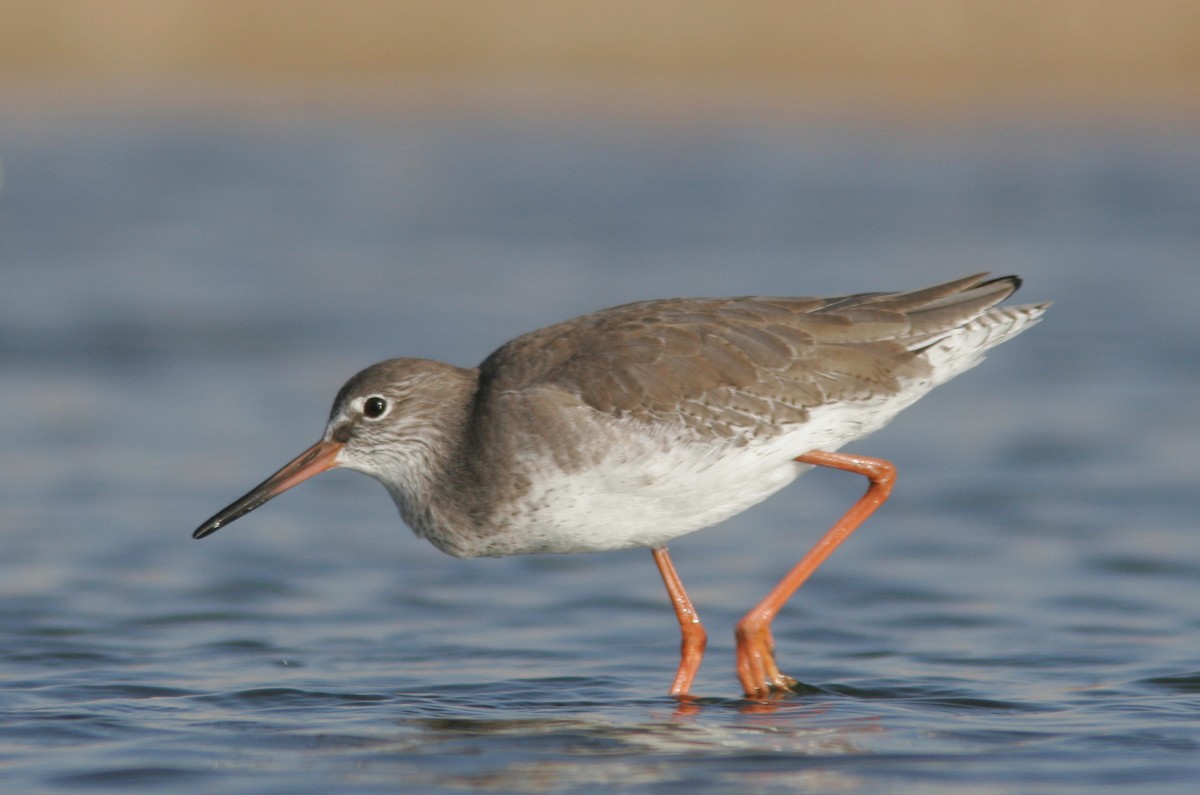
(374,407)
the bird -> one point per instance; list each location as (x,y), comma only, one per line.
(635,425)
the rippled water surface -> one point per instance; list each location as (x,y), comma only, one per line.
(182,294)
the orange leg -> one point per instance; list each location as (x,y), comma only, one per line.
(691,650)
(756,666)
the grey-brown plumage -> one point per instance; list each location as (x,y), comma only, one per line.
(729,366)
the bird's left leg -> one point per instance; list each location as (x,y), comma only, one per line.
(756,666)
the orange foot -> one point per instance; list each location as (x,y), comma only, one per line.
(756,667)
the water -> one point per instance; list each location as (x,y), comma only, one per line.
(182,293)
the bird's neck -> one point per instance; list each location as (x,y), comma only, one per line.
(441,495)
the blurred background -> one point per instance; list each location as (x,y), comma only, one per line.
(212,213)
(941,56)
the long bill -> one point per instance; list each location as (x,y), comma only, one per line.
(313,461)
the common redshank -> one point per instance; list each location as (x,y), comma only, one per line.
(634,425)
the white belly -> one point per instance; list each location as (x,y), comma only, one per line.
(647,490)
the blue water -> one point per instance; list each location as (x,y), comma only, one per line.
(182,293)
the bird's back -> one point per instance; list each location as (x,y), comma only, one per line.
(752,366)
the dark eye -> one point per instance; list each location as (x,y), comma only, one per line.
(374,407)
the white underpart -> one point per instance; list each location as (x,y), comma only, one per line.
(649,490)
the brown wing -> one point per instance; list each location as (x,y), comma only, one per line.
(741,365)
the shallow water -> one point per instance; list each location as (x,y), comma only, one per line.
(182,294)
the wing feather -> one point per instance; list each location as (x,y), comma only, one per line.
(740,365)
